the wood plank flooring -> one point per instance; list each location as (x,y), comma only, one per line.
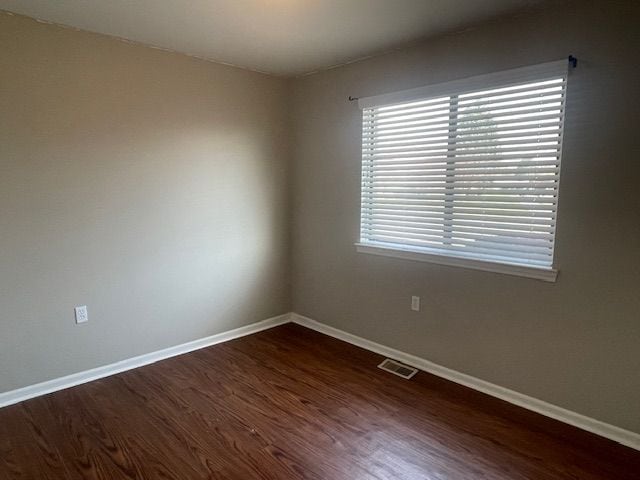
(289,403)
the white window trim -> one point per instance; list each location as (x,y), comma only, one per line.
(539,273)
(523,74)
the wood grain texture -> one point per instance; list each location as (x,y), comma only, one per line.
(290,403)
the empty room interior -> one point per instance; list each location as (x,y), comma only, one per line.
(320,239)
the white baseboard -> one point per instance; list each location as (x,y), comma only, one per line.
(31,391)
(617,434)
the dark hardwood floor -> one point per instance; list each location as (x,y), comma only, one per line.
(289,403)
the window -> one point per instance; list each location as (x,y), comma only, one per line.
(466,173)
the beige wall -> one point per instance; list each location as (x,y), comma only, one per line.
(575,343)
(150,186)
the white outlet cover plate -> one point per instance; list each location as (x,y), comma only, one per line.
(82,315)
(415,304)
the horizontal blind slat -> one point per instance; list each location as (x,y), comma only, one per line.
(468,121)
(484,179)
(462,213)
(502,244)
(437,172)
(519,202)
(484,165)
(509,191)
(469,159)
(470,142)
(462,219)
(461,245)
(493,129)
(511,231)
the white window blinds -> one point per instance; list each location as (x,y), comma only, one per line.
(467,169)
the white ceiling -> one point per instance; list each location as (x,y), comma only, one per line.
(285,37)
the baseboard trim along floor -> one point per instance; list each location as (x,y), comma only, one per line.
(617,434)
(50,386)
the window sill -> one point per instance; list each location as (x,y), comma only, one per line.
(539,273)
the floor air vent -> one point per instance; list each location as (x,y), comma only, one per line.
(397,368)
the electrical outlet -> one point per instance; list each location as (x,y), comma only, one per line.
(415,304)
(82,315)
